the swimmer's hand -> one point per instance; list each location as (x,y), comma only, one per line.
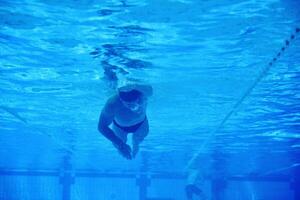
(125,150)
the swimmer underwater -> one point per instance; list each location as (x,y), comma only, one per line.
(124,113)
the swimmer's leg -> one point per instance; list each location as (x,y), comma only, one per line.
(120,133)
(139,136)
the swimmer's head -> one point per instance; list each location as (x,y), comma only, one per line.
(130,96)
(131,99)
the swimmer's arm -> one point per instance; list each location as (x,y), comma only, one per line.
(105,119)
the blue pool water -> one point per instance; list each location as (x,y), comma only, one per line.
(221,105)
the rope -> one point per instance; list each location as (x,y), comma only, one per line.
(243,97)
(17,116)
(280,169)
(13,113)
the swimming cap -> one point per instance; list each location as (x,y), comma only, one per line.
(129,96)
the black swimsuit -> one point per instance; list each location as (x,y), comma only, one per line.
(129,129)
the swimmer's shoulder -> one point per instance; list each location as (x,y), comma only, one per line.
(113,100)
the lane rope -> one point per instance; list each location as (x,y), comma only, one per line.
(265,70)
